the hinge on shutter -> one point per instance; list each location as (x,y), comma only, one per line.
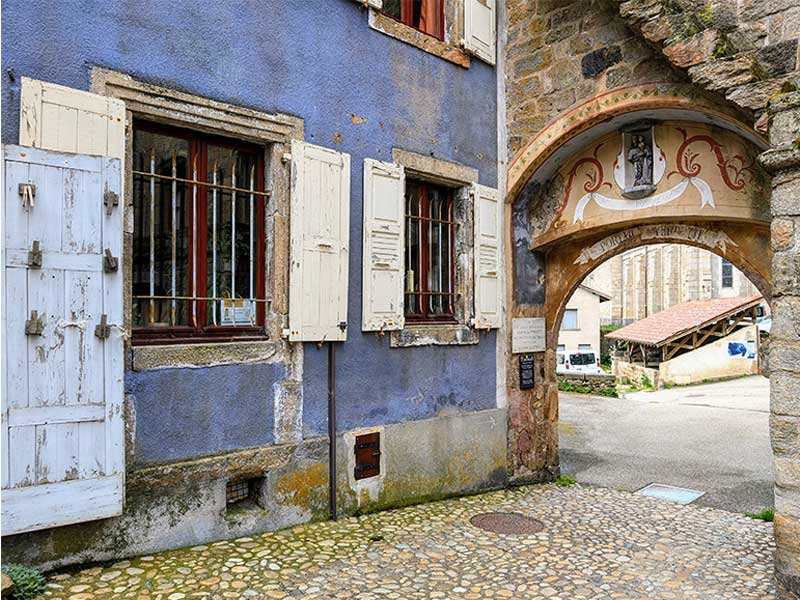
(28,192)
(110,262)
(35,256)
(103,329)
(110,199)
(34,325)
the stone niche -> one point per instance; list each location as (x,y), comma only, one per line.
(639,152)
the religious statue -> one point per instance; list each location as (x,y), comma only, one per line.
(641,157)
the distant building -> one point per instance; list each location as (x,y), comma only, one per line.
(649,279)
(580,325)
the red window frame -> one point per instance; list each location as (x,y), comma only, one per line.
(407,17)
(202,331)
(422,293)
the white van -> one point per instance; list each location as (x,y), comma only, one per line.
(580,361)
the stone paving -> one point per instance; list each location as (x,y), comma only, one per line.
(597,543)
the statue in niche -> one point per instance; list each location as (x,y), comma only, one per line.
(641,157)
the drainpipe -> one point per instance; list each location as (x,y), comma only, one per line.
(332,429)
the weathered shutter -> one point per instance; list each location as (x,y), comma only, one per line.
(488,248)
(479,29)
(63,438)
(320,222)
(376,4)
(54,117)
(384,226)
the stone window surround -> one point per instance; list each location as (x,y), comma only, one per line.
(460,178)
(272,131)
(444,49)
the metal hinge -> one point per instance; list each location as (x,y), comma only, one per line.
(110,262)
(342,325)
(103,329)
(111,200)
(28,193)
(35,256)
(34,325)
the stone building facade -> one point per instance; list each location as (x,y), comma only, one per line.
(649,279)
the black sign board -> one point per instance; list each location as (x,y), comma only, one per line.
(526,371)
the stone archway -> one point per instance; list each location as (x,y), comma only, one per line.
(553,252)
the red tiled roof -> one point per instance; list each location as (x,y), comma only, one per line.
(680,319)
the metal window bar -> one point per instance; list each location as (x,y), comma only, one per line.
(194,241)
(214,243)
(174,190)
(152,308)
(208,185)
(236,491)
(252,222)
(233,231)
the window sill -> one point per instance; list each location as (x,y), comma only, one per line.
(202,354)
(433,334)
(414,37)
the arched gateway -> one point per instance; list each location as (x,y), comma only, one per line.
(635,166)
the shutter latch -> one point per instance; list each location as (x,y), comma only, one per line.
(110,262)
(34,325)
(35,256)
(28,192)
(103,329)
(110,199)
(342,325)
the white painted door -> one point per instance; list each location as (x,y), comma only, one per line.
(62,396)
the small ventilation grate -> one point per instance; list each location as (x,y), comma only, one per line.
(236,491)
(507,523)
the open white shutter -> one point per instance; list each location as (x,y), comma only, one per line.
(54,117)
(62,413)
(320,227)
(479,29)
(488,248)
(384,241)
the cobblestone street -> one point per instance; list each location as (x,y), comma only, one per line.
(596,543)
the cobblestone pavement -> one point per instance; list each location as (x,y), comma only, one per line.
(597,543)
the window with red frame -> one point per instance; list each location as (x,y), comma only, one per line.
(425,15)
(430,229)
(198,240)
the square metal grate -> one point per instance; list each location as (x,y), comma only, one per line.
(235,491)
(670,492)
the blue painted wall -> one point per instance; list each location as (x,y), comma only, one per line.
(183,413)
(317,59)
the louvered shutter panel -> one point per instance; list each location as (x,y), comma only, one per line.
(384,242)
(479,29)
(62,414)
(320,222)
(488,247)
(54,117)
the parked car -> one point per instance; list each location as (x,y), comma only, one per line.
(583,361)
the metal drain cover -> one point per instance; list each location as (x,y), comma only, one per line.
(508,523)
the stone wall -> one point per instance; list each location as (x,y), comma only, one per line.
(562,52)
(783,160)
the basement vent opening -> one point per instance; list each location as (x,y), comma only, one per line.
(507,523)
(243,491)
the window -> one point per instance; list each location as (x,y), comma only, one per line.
(429,294)
(198,241)
(424,15)
(570,320)
(727,274)
(584,347)
(583,359)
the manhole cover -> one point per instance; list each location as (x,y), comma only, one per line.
(507,523)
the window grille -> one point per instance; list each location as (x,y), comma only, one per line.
(236,491)
(727,274)
(430,230)
(198,243)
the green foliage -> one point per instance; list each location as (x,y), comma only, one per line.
(645,382)
(28,582)
(565,481)
(566,386)
(768,514)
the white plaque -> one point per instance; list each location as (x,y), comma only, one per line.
(527,335)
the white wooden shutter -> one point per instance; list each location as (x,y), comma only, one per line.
(320,224)
(62,422)
(384,243)
(54,117)
(479,29)
(488,210)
